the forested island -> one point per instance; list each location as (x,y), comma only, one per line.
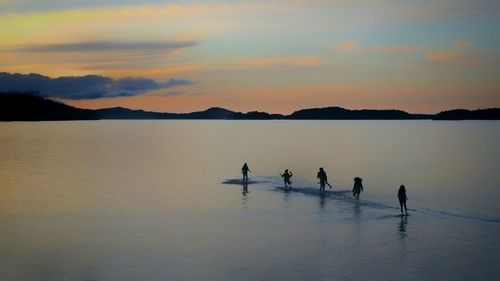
(29,107)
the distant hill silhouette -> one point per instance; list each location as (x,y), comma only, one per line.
(211,113)
(29,107)
(338,113)
(256,115)
(464,114)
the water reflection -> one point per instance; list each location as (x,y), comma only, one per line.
(245,193)
(245,188)
(286,197)
(321,201)
(357,226)
(402,227)
(402,236)
(357,211)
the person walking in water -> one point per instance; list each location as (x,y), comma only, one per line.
(402,198)
(244,171)
(286,178)
(357,188)
(323,179)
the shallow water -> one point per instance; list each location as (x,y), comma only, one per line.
(161,200)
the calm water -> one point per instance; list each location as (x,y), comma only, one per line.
(145,200)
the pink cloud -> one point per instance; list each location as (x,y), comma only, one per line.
(462,43)
(394,48)
(457,57)
(348,46)
(281,62)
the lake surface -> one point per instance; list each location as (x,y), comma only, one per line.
(149,200)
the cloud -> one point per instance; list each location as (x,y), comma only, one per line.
(83,87)
(352,49)
(110,58)
(347,46)
(393,49)
(178,93)
(460,54)
(457,57)
(445,56)
(151,7)
(155,72)
(281,62)
(351,46)
(462,43)
(386,9)
(105,46)
(172,94)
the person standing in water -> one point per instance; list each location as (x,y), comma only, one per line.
(357,188)
(286,178)
(244,171)
(323,179)
(402,198)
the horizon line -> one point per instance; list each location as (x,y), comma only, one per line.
(273,113)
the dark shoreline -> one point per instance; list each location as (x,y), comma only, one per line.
(26,107)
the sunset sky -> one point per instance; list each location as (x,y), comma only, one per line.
(275,56)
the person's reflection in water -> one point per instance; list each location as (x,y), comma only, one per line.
(245,192)
(402,227)
(357,211)
(403,234)
(358,225)
(286,197)
(245,188)
(322,200)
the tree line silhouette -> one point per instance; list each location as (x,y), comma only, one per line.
(28,106)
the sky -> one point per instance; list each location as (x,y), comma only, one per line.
(275,56)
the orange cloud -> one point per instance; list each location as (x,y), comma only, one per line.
(157,72)
(179,22)
(51,70)
(458,54)
(462,43)
(347,46)
(444,56)
(394,48)
(456,57)
(281,62)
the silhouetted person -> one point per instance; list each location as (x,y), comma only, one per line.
(357,188)
(323,179)
(402,198)
(244,171)
(286,178)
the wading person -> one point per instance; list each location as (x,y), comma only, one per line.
(357,188)
(286,178)
(402,198)
(323,179)
(244,171)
